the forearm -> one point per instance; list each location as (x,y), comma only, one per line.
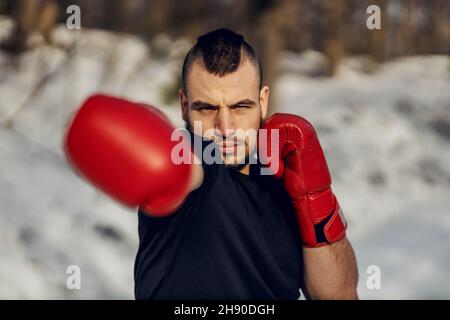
(330,272)
(196,177)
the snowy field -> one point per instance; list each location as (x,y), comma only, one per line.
(385,130)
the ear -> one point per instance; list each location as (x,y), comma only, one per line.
(264,100)
(184,104)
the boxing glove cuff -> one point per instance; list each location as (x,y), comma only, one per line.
(329,230)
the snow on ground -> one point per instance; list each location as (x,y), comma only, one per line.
(385,132)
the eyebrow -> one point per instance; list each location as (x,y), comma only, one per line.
(201,104)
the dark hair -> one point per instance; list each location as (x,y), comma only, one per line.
(221,53)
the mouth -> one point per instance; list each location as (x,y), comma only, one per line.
(229,147)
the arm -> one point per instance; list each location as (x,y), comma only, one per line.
(329,261)
(196,179)
(330,272)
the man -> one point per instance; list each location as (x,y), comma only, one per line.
(220,230)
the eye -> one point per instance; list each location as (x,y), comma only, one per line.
(206,109)
(241,106)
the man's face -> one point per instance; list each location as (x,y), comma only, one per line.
(223,105)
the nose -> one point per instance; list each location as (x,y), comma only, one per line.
(224,123)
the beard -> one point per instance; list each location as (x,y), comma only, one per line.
(239,164)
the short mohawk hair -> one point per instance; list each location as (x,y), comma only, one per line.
(221,53)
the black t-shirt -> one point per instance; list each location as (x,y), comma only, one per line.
(235,237)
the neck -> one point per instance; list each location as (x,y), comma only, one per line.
(245,170)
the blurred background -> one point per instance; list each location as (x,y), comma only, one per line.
(379,99)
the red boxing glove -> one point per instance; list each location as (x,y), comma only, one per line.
(124,149)
(307,180)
